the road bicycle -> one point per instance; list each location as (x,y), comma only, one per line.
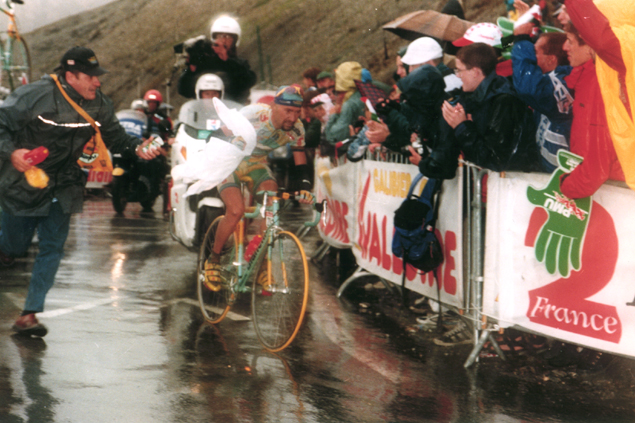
(14,54)
(278,272)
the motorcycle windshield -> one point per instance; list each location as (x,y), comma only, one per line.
(200,117)
(133,122)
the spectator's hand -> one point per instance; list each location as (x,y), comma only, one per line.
(377,131)
(226,131)
(221,51)
(453,115)
(373,147)
(559,242)
(521,7)
(149,153)
(525,29)
(384,106)
(171,141)
(18,161)
(415,157)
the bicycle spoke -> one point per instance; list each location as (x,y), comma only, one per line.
(279,305)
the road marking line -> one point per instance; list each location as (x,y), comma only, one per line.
(19,301)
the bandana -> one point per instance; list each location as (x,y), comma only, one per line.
(291,95)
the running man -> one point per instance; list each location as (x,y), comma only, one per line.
(276,126)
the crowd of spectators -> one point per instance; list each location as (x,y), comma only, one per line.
(506,103)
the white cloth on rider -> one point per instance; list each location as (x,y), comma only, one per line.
(219,158)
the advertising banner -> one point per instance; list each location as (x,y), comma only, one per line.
(382,188)
(561,267)
(338,185)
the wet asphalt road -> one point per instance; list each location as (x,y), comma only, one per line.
(127,343)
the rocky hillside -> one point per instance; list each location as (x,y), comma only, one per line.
(134,38)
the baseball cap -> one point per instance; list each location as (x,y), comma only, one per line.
(81,59)
(421,50)
(324,74)
(290,95)
(485,32)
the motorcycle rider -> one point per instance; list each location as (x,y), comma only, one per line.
(209,86)
(217,55)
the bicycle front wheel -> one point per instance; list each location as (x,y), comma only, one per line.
(215,299)
(16,65)
(280,293)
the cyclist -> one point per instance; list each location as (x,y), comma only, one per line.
(209,86)
(218,55)
(276,126)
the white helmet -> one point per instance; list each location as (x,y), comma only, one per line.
(226,25)
(138,104)
(209,81)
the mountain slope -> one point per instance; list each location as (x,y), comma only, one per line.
(133,39)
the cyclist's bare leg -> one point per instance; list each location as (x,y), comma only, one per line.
(234,211)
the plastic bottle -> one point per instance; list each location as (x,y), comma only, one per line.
(252,246)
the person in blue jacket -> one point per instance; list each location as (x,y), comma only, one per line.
(539,72)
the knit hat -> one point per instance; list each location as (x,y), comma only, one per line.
(422,50)
(485,32)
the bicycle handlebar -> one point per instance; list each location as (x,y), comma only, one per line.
(320,207)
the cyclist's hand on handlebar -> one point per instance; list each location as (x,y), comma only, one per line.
(305,197)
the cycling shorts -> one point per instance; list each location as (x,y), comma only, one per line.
(257,173)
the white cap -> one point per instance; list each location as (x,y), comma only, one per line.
(422,50)
(487,33)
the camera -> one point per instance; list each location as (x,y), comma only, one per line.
(417,146)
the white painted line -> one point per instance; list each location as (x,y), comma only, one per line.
(19,302)
(84,306)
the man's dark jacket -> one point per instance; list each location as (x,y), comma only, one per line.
(38,115)
(501,135)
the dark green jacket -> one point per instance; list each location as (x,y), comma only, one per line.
(38,115)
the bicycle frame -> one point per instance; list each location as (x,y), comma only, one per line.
(271,214)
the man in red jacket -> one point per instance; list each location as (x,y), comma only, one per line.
(590,137)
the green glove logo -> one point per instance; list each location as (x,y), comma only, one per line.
(559,241)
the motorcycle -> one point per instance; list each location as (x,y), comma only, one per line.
(189,217)
(135,179)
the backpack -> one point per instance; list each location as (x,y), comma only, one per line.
(414,240)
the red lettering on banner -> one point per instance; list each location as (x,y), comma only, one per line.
(101,177)
(336,225)
(376,245)
(449,245)
(563,304)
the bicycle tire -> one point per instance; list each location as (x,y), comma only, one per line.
(278,311)
(18,71)
(216,304)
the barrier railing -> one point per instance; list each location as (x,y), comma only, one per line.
(507,283)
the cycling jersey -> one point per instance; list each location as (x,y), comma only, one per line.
(268,139)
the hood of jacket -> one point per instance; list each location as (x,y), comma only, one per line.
(345,76)
(423,89)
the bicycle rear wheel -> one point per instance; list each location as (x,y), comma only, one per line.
(215,303)
(16,65)
(279,304)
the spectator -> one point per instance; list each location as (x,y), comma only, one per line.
(309,78)
(561,15)
(590,137)
(64,133)
(491,126)
(219,56)
(491,35)
(326,83)
(539,73)
(426,51)
(348,106)
(402,69)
